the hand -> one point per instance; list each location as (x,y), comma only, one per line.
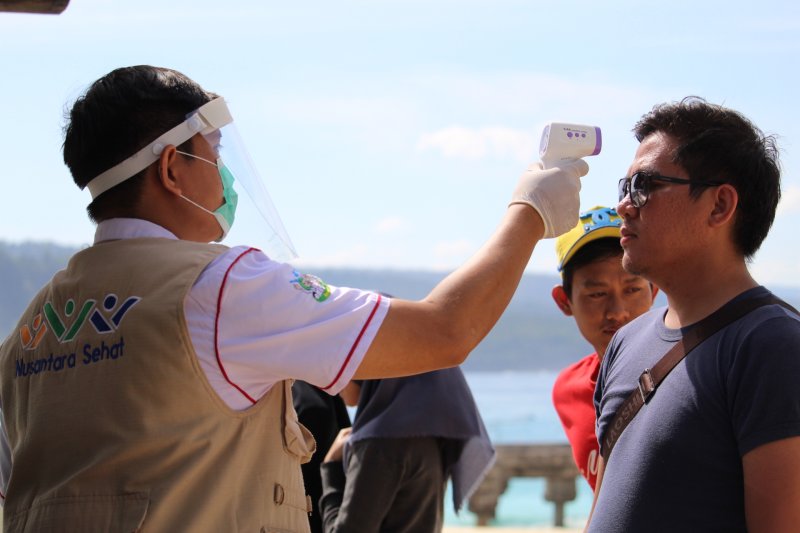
(336,450)
(553,193)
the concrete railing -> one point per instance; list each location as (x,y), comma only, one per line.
(551,461)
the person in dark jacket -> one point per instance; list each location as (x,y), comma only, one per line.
(410,436)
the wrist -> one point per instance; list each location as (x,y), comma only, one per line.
(527,214)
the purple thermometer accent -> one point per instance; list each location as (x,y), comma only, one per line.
(598,141)
(545,139)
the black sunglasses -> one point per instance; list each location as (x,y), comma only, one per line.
(639,186)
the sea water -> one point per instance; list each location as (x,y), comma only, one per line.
(517,409)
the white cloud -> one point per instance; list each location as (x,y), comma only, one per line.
(790,201)
(531,98)
(357,254)
(480,143)
(449,248)
(482,114)
(450,254)
(337,108)
(390,225)
(780,272)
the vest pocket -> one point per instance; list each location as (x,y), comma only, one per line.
(297,440)
(88,514)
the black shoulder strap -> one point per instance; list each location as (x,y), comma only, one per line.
(652,377)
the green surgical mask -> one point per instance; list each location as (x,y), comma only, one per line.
(225,213)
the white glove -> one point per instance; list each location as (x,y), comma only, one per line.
(553,193)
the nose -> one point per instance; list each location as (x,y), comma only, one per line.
(616,310)
(625,207)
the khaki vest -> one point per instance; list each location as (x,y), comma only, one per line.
(112,424)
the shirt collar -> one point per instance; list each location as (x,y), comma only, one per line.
(129,228)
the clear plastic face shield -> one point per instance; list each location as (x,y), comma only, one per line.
(256,215)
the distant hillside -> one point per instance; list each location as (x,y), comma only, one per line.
(24,268)
(531,335)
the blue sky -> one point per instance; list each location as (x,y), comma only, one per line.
(391,133)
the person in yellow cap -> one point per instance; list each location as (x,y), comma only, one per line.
(602,297)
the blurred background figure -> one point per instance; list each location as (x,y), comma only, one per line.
(409,437)
(602,297)
(323,415)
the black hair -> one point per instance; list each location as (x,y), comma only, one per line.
(597,250)
(716,143)
(119,114)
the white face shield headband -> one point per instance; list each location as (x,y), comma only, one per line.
(214,122)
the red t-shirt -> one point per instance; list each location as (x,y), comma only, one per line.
(573,397)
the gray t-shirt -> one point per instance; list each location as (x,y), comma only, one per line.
(677,466)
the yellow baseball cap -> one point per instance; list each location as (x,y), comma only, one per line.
(596,223)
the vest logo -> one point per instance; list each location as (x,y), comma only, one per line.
(32,336)
(318,289)
(66,327)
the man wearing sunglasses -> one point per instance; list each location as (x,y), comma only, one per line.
(717,446)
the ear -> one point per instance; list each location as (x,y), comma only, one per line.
(561,300)
(653,292)
(166,170)
(725,201)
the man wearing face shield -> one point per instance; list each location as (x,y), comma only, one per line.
(147,386)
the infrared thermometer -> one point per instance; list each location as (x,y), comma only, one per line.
(562,142)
